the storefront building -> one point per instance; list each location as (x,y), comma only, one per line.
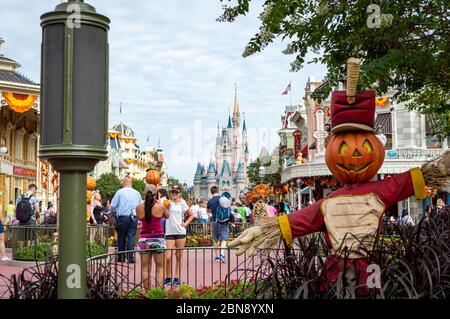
(19,123)
(408,144)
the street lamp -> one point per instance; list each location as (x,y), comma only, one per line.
(74,99)
(299,193)
(261,172)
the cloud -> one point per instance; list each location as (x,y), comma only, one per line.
(173,66)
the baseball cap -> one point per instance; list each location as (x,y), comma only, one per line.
(175,189)
(150,188)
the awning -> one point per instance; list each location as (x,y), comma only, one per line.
(383,123)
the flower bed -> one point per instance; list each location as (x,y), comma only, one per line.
(39,251)
(199,241)
(235,289)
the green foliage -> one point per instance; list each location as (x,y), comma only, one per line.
(38,251)
(407,53)
(156,293)
(108,184)
(33,252)
(254,177)
(139,185)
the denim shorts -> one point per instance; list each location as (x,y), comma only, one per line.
(219,231)
(152,243)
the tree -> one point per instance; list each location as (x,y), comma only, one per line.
(139,185)
(403,45)
(254,176)
(108,184)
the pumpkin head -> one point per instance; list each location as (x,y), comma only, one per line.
(153,177)
(354,157)
(91,183)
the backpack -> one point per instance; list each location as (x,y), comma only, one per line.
(224,208)
(24,211)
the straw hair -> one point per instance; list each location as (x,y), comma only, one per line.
(436,173)
(353,66)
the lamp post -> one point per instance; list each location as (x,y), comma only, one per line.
(261,173)
(74,93)
(299,193)
(292,195)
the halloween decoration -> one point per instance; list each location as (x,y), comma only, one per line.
(153,177)
(354,157)
(91,183)
(350,216)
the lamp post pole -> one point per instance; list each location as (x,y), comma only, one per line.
(74,99)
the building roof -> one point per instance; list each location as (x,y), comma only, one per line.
(122,128)
(15,77)
(200,169)
(236,104)
(211,168)
(229,122)
(225,166)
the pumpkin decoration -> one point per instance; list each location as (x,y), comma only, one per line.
(354,157)
(153,177)
(91,183)
(88,196)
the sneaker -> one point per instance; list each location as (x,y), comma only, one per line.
(5,258)
(222,259)
(176,282)
(167,281)
(217,259)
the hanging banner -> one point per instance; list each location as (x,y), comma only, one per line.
(297,142)
(19,103)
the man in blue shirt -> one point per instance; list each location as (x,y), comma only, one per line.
(124,203)
(219,230)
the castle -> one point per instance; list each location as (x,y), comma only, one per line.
(229,170)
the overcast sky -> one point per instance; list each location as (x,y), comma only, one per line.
(174,67)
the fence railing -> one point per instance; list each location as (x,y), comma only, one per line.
(39,242)
(203,229)
(193,266)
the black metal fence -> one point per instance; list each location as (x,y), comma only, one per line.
(196,267)
(39,242)
(204,229)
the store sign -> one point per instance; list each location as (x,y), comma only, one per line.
(297,142)
(392,153)
(24,172)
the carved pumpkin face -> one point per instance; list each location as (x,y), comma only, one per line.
(354,157)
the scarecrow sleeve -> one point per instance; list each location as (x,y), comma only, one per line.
(398,187)
(301,222)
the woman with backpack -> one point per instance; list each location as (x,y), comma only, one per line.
(176,234)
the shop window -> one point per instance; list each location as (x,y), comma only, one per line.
(432,141)
(19,145)
(32,149)
(383,124)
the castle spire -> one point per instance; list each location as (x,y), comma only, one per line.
(236,104)
(244,126)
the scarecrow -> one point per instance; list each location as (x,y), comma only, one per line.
(351,216)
